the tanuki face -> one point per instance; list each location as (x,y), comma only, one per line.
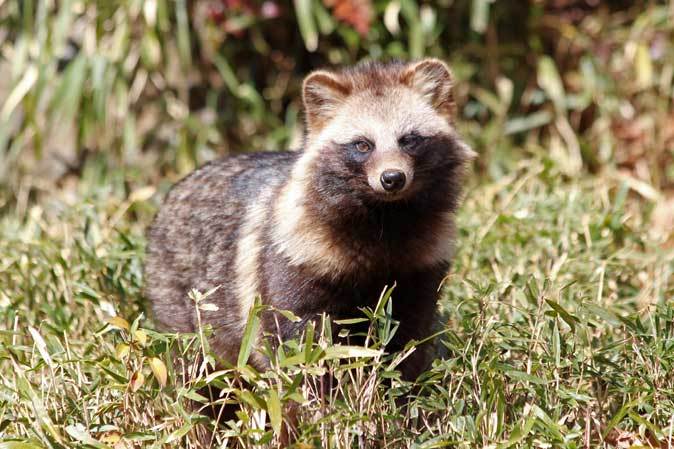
(382,135)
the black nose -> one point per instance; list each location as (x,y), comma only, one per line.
(392,180)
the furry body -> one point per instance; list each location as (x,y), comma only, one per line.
(314,231)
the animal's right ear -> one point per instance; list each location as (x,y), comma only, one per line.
(322,93)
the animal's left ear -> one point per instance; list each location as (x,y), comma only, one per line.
(433,79)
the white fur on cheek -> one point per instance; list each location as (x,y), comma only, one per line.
(302,240)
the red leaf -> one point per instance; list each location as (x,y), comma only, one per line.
(357,13)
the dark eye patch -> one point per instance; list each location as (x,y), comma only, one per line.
(411,140)
(358,150)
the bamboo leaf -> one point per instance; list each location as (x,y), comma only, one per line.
(274,410)
(250,334)
(479,15)
(20,90)
(643,66)
(41,345)
(344,352)
(520,432)
(137,381)
(305,20)
(183,33)
(80,433)
(159,370)
(119,322)
(179,433)
(566,316)
(551,82)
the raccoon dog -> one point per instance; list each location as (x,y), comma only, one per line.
(369,201)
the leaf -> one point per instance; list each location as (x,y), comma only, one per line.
(520,375)
(551,82)
(208,307)
(227,73)
(122,351)
(141,436)
(182,20)
(357,13)
(531,292)
(150,12)
(571,320)
(643,66)
(159,370)
(217,374)
(410,12)
(80,433)
(250,334)
(19,91)
(39,408)
(142,194)
(290,316)
(350,321)
(644,422)
(140,336)
(325,21)
(119,322)
(383,300)
(194,396)
(519,432)
(252,399)
(479,15)
(274,410)
(151,50)
(306,23)
(66,100)
(391,14)
(41,345)
(527,123)
(620,414)
(137,381)
(88,292)
(344,352)
(179,433)
(118,377)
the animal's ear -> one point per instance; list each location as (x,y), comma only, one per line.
(322,94)
(433,79)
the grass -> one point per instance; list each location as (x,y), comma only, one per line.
(558,332)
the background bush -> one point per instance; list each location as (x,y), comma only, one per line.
(170,84)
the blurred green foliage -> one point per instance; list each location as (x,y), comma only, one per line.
(164,85)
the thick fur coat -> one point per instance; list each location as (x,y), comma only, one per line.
(368,202)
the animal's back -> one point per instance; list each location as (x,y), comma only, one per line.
(193,239)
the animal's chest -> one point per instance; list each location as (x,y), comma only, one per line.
(300,290)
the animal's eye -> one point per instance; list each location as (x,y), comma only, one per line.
(362,146)
(411,140)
